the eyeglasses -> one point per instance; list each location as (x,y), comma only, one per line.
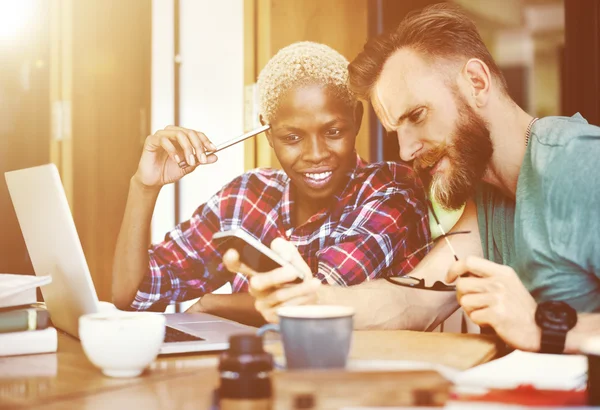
(416,283)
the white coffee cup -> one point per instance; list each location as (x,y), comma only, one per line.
(121,344)
(106,306)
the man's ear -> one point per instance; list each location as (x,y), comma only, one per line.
(267,132)
(358,115)
(479,80)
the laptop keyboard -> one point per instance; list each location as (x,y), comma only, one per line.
(174,335)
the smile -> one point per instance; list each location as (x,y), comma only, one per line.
(320,176)
(317,180)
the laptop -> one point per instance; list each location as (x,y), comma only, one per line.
(55,250)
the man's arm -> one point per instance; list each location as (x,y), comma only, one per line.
(588,325)
(378,303)
(565,263)
(493,295)
(383,305)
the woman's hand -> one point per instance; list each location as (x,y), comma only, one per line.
(172,153)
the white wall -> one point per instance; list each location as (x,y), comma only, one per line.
(212,90)
(211,93)
(162,95)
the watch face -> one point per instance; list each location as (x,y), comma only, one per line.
(556,316)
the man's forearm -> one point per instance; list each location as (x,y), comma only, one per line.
(382,305)
(588,324)
(131,254)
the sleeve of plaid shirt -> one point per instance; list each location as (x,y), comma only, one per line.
(383,235)
(181,267)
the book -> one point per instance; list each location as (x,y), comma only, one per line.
(542,371)
(20,289)
(19,320)
(28,342)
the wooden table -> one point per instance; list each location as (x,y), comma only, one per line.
(67,380)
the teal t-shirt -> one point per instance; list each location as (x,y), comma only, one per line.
(551,234)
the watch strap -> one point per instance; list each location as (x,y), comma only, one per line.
(553,341)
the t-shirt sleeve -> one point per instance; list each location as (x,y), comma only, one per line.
(572,194)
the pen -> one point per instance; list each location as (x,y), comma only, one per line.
(439,225)
(233,141)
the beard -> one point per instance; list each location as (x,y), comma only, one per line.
(469,155)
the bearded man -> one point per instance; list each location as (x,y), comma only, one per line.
(434,84)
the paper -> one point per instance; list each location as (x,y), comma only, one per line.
(12,284)
(361,365)
(448,373)
(542,371)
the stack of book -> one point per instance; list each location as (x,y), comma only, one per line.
(24,323)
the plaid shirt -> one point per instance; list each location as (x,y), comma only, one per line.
(372,230)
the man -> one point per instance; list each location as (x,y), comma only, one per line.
(352,222)
(434,84)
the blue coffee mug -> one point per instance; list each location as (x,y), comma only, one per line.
(314,336)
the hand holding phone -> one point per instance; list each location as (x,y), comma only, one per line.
(253,253)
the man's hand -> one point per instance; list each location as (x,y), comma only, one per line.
(273,289)
(493,295)
(172,153)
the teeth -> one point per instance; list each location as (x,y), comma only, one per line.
(319,176)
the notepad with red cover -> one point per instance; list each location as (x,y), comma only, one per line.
(527,379)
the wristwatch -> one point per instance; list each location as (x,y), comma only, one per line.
(555,319)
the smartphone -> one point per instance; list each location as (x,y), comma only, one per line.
(253,253)
(241,138)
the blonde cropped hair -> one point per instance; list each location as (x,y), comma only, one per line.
(302,63)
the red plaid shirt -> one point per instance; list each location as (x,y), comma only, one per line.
(376,224)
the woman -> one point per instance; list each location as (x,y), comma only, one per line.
(350,222)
